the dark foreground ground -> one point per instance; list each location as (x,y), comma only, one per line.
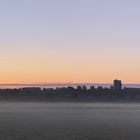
(69,121)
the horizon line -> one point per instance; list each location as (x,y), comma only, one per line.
(81,83)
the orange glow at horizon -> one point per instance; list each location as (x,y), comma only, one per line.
(65,65)
(83,69)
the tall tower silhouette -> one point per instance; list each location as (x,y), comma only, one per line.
(117,85)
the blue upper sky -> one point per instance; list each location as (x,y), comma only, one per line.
(78,18)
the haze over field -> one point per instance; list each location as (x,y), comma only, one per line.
(69,121)
(77,41)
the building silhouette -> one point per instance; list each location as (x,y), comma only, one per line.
(117,85)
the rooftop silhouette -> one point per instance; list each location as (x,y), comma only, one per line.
(81,93)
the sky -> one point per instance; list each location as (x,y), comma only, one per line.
(69,41)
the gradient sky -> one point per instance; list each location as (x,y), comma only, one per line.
(86,41)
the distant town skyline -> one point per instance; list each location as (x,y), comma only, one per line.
(75,41)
